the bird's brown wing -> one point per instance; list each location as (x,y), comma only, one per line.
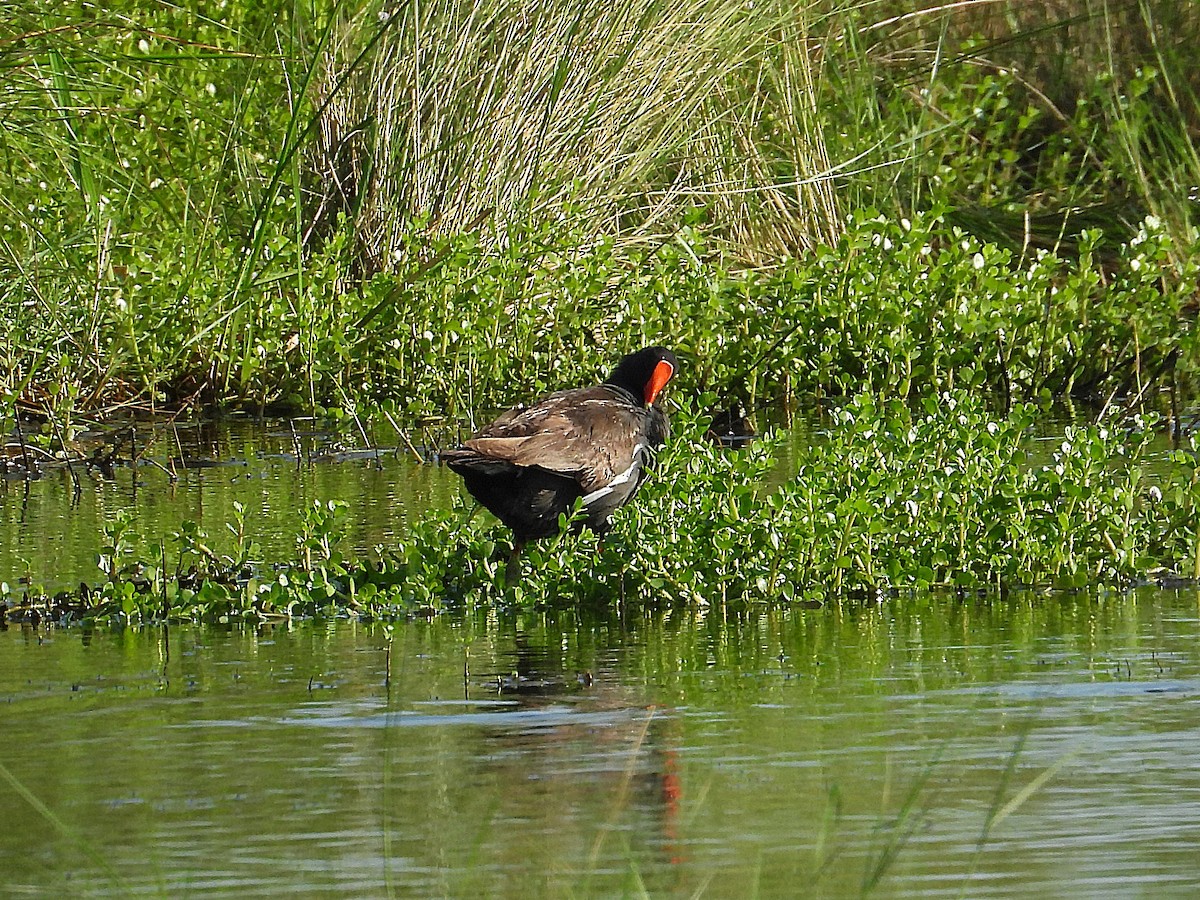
(590,434)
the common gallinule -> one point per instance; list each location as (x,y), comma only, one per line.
(532,463)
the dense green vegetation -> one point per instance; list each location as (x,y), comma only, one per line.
(949,497)
(445,205)
(435,209)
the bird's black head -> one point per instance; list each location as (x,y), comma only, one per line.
(645,373)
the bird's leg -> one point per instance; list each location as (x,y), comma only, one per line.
(512,572)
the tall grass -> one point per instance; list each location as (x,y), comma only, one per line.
(142,145)
(632,112)
(196,205)
(1036,120)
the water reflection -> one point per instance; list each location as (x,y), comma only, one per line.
(197,471)
(921,748)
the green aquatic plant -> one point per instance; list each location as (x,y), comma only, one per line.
(889,498)
(122,542)
(948,495)
(226,209)
(899,307)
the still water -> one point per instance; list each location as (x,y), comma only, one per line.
(1039,745)
(52,536)
(830,752)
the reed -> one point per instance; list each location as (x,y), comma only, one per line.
(631,112)
(263,208)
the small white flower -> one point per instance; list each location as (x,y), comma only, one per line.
(977,261)
(906,225)
(1135,264)
(211,88)
(144,45)
(1155,494)
(913,507)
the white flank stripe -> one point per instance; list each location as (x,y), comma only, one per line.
(621,479)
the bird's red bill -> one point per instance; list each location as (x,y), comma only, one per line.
(658,380)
